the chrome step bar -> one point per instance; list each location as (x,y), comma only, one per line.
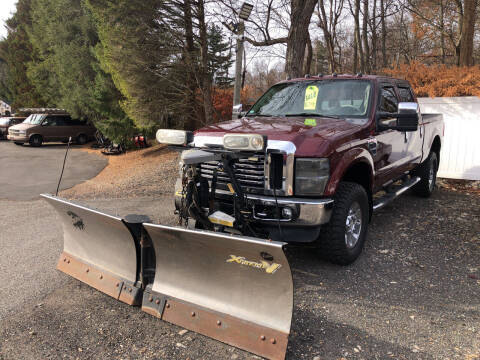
(392,194)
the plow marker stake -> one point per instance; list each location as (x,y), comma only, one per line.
(235,289)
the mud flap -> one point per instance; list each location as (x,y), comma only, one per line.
(235,289)
(99,250)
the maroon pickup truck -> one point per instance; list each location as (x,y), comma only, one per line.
(309,162)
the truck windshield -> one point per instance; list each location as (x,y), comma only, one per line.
(348,99)
(35,119)
(4,121)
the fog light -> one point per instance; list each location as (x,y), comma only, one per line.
(287,213)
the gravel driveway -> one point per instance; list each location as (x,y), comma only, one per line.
(413,294)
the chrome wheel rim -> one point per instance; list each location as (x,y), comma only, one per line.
(353,225)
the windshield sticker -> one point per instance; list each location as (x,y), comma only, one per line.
(310,122)
(311,94)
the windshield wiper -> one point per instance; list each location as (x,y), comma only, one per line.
(313,115)
(264,115)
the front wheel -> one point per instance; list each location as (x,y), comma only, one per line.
(36,141)
(342,239)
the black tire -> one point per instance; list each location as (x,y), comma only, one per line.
(18,143)
(35,140)
(82,139)
(336,244)
(427,171)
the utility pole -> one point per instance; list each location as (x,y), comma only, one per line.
(239,31)
(237,88)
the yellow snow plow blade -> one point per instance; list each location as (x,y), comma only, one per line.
(234,289)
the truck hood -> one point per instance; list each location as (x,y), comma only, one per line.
(317,139)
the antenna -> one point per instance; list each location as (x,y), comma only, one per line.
(63,167)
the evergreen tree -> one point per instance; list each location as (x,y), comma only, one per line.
(66,68)
(16,53)
(141,53)
(220,57)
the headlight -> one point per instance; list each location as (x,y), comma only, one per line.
(311,176)
(174,137)
(22,132)
(253,142)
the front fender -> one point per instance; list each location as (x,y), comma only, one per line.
(347,159)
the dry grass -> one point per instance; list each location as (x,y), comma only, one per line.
(145,172)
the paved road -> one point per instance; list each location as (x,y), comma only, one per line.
(31,240)
(26,172)
(413,294)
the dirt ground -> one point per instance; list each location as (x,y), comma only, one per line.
(146,172)
(413,294)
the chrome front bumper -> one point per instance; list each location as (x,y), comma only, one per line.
(306,212)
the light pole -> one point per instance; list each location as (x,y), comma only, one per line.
(244,14)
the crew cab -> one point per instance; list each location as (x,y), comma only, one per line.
(39,128)
(309,162)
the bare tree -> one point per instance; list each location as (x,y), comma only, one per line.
(328,18)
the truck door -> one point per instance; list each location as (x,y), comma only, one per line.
(413,139)
(389,157)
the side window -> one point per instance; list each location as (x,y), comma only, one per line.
(60,120)
(388,100)
(405,94)
(66,121)
(50,121)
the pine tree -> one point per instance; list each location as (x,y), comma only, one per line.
(16,53)
(221,59)
(66,68)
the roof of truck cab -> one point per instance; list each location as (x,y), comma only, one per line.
(377,78)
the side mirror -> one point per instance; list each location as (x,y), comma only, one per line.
(237,111)
(406,119)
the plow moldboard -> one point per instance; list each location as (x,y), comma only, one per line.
(235,289)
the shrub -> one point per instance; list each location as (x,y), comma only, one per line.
(439,80)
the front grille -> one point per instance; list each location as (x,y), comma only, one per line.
(13,132)
(249,173)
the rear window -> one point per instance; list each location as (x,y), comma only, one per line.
(405,94)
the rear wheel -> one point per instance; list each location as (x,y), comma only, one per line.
(36,140)
(82,139)
(428,176)
(342,239)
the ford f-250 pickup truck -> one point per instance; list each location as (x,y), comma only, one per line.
(309,162)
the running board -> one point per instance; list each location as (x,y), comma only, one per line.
(389,196)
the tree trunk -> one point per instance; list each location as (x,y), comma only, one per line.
(355,55)
(384,33)
(308,58)
(366,49)
(458,44)
(442,31)
(468,29)
(205,78)
(358,38)
(300,15)
(374,35)
(191,105)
